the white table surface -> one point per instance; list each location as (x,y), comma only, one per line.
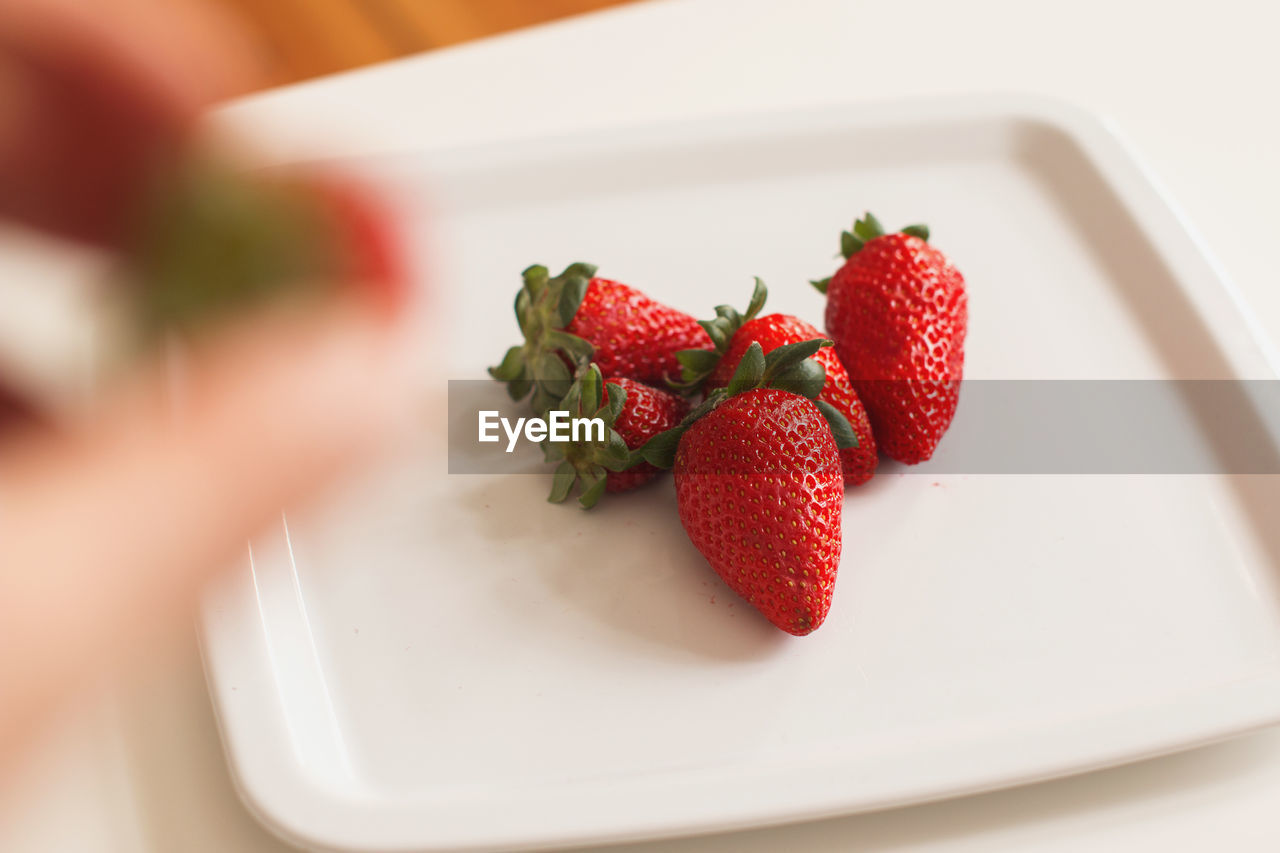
(1191,85)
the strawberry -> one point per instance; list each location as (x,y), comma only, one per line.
(646,412)
(16,410)
(897,311)
(632,413)
(634,336)
(733,333)
(758,484)
(371,251)
(214,239)
(575,318)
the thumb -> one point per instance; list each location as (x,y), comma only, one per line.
(107,534)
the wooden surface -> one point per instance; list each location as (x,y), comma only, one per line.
(300,39)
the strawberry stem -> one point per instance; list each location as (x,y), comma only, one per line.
(788,368)
(697,364)
(586,462)
(213,241)
(864,231)
(549,358)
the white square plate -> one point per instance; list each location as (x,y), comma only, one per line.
(448,662)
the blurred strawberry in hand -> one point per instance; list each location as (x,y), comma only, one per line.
(214,240)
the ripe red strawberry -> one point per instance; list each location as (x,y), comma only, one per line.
(632,414)
(634,336)
(575,318)
(897,311)
(759,489)
(369,246)
(733,334)
(646,412)
(760,493)
(215,240)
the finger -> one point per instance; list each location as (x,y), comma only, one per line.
(106,536)
(95,95)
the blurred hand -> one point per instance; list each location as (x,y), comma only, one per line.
(108,529)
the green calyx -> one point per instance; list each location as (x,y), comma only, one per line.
(787,368)
(697,364)
(212,240)
(586,460)
(864,231)
(544,306)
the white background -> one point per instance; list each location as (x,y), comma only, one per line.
(1192,85)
